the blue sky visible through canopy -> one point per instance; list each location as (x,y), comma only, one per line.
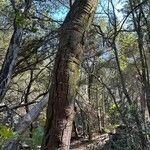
(62,12)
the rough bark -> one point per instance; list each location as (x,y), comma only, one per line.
(60,112)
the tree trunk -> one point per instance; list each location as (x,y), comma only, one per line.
(26,99)
(89,120)
(60,111)
(83,118)
(9,61)
(98,111)
(76,136)
(103,112)
(13,49)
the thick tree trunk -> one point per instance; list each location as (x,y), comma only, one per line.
(60,111)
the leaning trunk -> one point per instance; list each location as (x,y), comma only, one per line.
(60,111)
(9,61)
(13,50)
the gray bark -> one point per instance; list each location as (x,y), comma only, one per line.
(13,50)
(26,121)
(9,61)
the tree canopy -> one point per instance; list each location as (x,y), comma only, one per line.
(72,71)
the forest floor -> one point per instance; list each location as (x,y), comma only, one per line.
(98,142)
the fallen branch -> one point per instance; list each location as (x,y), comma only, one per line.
(26,121)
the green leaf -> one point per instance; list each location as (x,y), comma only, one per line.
(123,60)
(6,132)
(19,19)
(34,30)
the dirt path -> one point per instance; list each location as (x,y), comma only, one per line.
(97,142)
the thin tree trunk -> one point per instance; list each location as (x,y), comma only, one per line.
(26,99)
(135,115)
(75,130)
(70,3)
(98,111)
(89,118)
(60,111)
(9,61)
(83,123)
(13,49)
(103,114)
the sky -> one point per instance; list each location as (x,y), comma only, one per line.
(62,12)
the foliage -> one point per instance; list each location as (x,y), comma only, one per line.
(129,85)
(37,135)
(113,114)
(20,19)
(6,133)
